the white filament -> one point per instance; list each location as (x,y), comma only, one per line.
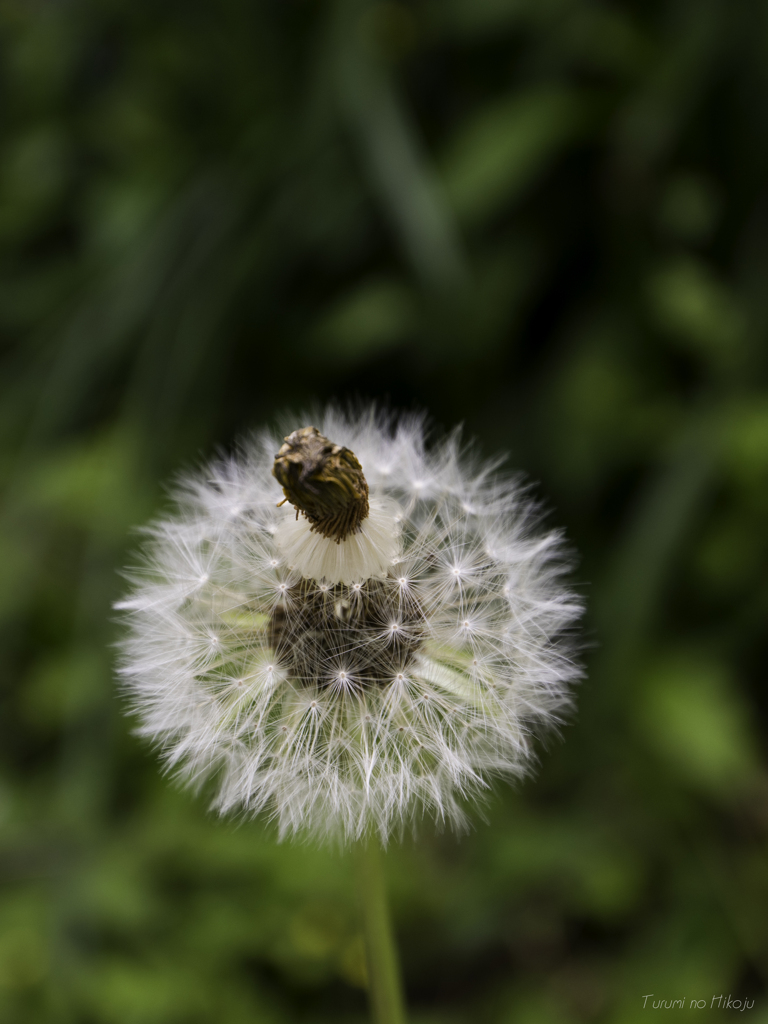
(369,552)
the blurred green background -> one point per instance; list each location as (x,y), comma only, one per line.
(547,219)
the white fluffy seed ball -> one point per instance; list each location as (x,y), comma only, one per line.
(350,688)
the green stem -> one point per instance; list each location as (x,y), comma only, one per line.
(384,984)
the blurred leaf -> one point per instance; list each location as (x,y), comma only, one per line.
(20,562)
(65,688)
(93,486)
(597,391)
(692,714)
(507,146)
(689,207)
(746,441)
(698,310)
(373,319)
(33,177)
(481,16)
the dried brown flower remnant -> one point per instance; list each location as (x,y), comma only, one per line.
(323,481)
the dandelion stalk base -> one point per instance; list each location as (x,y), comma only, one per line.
(384,983)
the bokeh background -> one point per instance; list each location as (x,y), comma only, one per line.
(546,219)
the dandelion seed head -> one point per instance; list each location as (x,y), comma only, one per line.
(346,672)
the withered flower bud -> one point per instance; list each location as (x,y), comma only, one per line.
(324,482)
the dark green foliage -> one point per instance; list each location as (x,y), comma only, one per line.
(547,219)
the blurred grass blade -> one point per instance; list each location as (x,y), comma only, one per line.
(632,597)
(398,164)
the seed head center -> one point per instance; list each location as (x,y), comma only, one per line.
(322,638)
